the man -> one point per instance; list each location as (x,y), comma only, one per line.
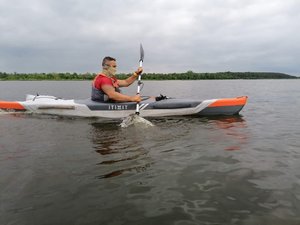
(105,86)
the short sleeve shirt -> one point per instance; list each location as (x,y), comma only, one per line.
(101,80)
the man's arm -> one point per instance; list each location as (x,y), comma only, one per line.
(128,81)
(116,96)
(131,79)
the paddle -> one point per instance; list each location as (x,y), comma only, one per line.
(137,112)
(135,119)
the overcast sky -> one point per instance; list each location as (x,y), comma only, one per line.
(197,35)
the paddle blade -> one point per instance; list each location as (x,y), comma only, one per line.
(141,53)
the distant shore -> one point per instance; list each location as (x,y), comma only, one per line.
(189,75)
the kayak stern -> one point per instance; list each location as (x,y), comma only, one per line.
(226,106)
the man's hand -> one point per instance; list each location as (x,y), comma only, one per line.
(139,70)
(136,98)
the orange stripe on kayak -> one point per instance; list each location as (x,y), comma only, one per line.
(229,102)
(11,105)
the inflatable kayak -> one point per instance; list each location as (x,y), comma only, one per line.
(149,107)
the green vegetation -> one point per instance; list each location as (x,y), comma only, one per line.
(46,76)
(189,75)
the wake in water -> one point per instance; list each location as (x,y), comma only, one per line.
(135,120)
(9,111)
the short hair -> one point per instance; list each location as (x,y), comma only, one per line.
(106,59)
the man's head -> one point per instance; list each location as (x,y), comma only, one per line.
(109,66)
(107,61)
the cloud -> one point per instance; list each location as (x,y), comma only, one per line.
(204,36)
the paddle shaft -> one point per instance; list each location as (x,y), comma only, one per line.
(139,89)
(137,112)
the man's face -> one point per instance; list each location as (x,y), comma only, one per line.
(112,68)
(112,64)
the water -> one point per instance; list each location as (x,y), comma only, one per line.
(184,170)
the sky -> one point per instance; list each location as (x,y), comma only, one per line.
(177,36)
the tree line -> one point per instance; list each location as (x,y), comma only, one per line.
(189,75)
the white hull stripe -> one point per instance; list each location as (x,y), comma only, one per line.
(143,106)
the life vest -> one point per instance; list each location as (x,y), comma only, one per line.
(99,95)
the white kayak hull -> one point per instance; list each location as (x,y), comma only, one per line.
(149,107)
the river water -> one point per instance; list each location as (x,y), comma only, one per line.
(222,170)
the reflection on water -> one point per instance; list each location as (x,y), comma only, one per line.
(196,177)
(234,128)
(184,168)
(129,150)
(118,150)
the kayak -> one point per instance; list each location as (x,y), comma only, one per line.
(148,107)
